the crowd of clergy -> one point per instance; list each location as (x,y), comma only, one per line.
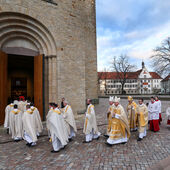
(22,120)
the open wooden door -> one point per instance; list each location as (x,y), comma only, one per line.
(38,83)
(3,84)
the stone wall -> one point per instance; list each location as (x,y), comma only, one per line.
(71,61)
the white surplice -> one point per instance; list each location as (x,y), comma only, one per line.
(58,131)
(90,124)
(15,121)
(8,109)
(39,125)
(70,121)
(29,126)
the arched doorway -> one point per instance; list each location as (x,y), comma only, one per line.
(24,42)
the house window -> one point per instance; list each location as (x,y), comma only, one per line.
(144,76)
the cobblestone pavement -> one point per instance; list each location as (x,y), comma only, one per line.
(95,155)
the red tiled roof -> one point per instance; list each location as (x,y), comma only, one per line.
(114,75)
(155,75)
(130,75)
(166,78)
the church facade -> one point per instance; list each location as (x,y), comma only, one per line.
(48,51)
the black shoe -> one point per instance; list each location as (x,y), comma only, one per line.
(123,143)
(29,144)
(7,131)
(17,140)
(70,139)
(53,151)
(86,141)
(107,136)
(97,138)
(64,147)
(139,139)
(108,144)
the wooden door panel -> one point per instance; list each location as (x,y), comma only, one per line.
(3,84)
(38,83)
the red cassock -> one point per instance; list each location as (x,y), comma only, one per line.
(168,122)
(154,125)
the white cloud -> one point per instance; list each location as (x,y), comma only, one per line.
(141,48)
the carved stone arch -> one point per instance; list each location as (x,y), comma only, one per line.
(17,31)
(26,25)
(26,37)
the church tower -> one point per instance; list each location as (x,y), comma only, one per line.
(143,65)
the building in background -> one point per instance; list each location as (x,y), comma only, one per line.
(165,83)
(139,82)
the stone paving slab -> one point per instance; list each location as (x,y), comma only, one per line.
(162,165)
(95,155)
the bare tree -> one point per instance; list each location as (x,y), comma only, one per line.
(161,58)
(122,66)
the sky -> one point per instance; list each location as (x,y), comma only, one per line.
(130,27)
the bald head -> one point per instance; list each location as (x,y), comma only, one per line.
(88,101)
(65,102)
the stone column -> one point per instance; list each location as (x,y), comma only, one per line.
(50,78)
(46,83)
(54,79)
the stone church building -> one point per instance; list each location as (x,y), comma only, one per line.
(48,51)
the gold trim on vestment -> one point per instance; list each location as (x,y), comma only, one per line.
(56,111)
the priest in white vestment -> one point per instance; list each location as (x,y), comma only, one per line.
(58,131)
(90,124)
(29,127)
(8,109)
(142,112)
(132,114)
(37,119)
(15,121)
(69,119)
(51,108)
(109,116)
(168,116)
(120,131)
